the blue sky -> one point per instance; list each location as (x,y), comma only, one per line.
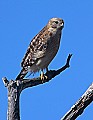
(20,21)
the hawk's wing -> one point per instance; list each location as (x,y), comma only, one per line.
(36,49)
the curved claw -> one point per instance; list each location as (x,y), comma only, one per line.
(43,76)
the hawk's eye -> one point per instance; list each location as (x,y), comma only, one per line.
(56,22)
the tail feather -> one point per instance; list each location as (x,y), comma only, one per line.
(22,74)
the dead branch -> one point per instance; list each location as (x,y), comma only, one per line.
(16,86)
(80,105)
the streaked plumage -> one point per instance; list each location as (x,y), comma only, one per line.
(42,48)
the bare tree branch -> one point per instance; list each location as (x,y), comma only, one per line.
(80,105)
(5,81)
(16,86)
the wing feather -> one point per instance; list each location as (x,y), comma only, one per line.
(36,49)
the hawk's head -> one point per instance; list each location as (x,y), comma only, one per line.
(56,23)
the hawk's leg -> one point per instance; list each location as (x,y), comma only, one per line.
(43,76)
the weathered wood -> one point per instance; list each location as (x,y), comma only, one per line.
(80,105)
(14,91)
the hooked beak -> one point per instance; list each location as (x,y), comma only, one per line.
(62,24)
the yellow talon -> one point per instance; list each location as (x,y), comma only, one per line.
(43,76)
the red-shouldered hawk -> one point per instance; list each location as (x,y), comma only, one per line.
(42,48)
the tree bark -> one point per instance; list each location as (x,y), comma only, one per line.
(80,105)
(16,86)
(14,91)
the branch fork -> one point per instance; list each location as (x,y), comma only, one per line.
(15,87)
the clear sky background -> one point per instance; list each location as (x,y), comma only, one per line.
(20,21)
